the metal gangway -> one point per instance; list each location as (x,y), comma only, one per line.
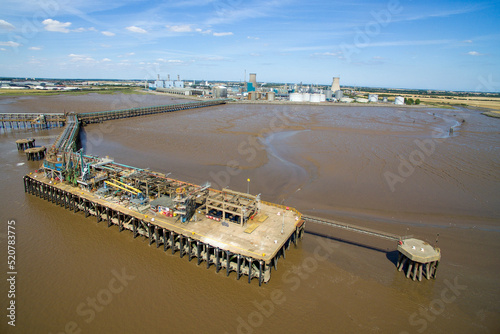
(354,228)
(67,139)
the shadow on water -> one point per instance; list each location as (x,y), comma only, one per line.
(392,256)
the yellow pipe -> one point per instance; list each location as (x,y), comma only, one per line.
(127,186)
(120,187)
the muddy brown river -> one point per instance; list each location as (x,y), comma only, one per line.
(395,169)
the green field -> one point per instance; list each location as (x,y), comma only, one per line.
(100,90)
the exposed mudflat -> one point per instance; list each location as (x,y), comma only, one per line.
(396,169)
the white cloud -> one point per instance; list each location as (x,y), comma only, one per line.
(3,49)
(10,43)
(338,55)
(108,33)
(105,59)
(232,13)
(475,53)
(6,25)
(255,54)
(54,25)
(467,41)
(36,48)
(201,31)
(92,29)
(251,37)
(80,58)
(130,54)
(171,61)
(136,29)
(219,34)
(180,28)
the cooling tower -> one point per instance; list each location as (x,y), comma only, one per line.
(336,84)
(253,79)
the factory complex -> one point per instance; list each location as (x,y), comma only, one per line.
(251,90)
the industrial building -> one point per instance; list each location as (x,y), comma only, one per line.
(167,83)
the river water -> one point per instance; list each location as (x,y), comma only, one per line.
(396,169)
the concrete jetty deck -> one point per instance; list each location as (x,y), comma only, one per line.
(252,249)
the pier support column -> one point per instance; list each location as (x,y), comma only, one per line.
(190,248)
(172,242)
(238,267)
(250,260)
(217,259)
(134,227)
(150,234)
(198,251)
(181,246)
(97,213)
(85,208)
(228,267)
(415,269)
(403,262)
(165,241)
(207,253)
(260,272)
(410,266)
(108,217)
(157,238)
(120,222)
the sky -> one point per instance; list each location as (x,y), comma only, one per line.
(440,44)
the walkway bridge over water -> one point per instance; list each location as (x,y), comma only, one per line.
(49,120)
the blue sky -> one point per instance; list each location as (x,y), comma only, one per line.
(452,45)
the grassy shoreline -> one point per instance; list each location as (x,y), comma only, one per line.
(106,90)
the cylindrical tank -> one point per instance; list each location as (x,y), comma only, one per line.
(361,100)
(399,100)
(296,97)
(372,97)
(315,98)
(271,96)
(322,97)
(306,97)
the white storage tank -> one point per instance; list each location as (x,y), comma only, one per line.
(361,100)
(315,98)
(296,97)
(399,100)
(322,97)
(346,100)
(306,97)
(372,98)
